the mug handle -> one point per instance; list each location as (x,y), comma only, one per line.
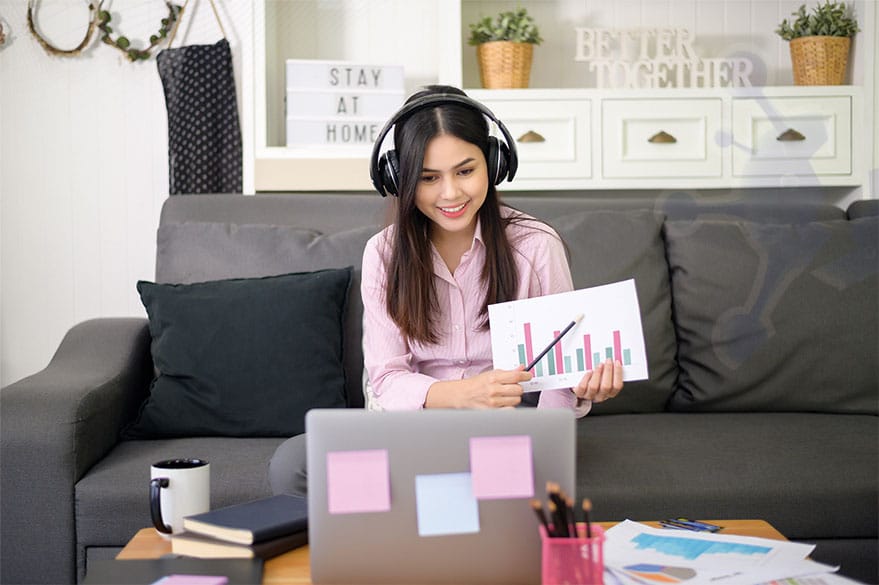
(156,505)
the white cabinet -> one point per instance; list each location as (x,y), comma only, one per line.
(567,138)
(683,138)
(659,138)
(792,136)
(552,135)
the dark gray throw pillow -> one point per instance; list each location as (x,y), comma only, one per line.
(243,357)
(776,317)
(200,251)
(609,246)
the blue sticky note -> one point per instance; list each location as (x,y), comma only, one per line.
(446,504)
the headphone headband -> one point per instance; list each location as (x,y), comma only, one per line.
(429,101)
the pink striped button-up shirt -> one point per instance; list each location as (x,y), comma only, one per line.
(399,372)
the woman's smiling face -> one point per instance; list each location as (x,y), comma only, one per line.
(453,185)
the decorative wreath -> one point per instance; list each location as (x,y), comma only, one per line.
(52,49)
(123,44)
(101,19)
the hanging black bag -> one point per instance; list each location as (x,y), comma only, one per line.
(204,137)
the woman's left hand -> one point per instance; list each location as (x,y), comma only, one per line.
(604,382)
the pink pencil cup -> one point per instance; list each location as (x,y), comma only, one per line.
(573,561)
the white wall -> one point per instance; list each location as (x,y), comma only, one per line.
(83,145)
(83,168)
(875,94)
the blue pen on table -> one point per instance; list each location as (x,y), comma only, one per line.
(687,524)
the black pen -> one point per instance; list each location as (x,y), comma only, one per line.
(559,527)
(587,507)
(541,517)
(557,507)
(553,342)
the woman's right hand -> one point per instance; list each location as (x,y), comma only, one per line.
(491,389)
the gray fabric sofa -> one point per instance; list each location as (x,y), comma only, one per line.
(761,327)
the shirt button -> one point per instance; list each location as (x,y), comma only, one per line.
(457,327)
(461,362)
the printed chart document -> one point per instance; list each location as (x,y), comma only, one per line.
(610,328)
(636,553)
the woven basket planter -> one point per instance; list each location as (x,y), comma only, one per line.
(820,60)
(504,64)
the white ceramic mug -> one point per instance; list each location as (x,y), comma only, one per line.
(178,488)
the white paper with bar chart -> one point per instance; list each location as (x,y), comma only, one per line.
(610,328)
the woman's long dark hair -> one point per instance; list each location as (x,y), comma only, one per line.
(411,297)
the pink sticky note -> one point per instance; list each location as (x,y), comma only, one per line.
(502,467)
(192,580)
(358,481)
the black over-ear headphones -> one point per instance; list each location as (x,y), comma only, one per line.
(384,169)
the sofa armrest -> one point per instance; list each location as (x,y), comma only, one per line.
(56,424)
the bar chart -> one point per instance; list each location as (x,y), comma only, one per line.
(583,359)
(610,328)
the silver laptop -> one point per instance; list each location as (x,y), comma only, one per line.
(432,496)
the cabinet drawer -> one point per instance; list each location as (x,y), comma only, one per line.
(552,136)
(661,138)
(792,136)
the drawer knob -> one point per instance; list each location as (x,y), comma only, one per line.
(531,136)
(790,135)
(662,137)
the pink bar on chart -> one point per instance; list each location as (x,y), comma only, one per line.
(529,349)
(559,363)
(617,347)
(587,348)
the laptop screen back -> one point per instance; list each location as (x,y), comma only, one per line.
(432,496)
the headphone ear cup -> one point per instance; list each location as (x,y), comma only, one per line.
(389,171)
(498,160)
(492,159)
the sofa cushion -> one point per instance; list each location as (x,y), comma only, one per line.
(863,208)
(112,499)
(243,357)
(608,246)
(194,251)
(776,317)
(810,475)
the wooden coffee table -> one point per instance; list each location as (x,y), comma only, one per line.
(293,568)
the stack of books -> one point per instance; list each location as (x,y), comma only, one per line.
(257,529)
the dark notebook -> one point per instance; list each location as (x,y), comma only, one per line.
(254,521)
(146,571)
(205,547)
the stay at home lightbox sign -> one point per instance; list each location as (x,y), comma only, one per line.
(655,58)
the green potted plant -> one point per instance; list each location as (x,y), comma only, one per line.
(504,48)
(820,42)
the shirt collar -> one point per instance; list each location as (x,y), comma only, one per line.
(477,233)
(439,267)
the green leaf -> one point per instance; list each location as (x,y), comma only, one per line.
(515,26)
(123,42)
(827,19)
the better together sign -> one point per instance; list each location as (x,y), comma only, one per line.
(654,58)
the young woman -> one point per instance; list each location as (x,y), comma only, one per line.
(429,277)
(452,250)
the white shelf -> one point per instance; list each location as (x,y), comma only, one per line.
(380,31)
